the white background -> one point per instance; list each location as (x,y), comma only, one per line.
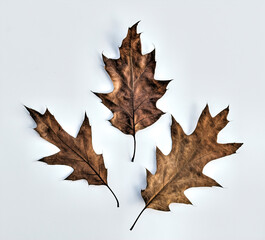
(50,56)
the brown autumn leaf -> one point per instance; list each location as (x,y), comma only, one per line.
(182,167)
(133,99)
(76,152)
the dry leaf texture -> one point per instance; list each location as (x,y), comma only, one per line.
(76,152)
(133,99)
(182,168)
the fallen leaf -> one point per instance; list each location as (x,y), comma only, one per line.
(76,152)
(182,167)
(133,99)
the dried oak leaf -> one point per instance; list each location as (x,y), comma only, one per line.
(182,167)
(76,152)
(133,99)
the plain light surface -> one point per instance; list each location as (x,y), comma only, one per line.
(50,56)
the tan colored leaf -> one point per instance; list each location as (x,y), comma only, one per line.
(182,168)
(76,152)
(133,99)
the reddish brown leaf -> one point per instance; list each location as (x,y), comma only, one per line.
(133,99)
(182,168)
(76,152)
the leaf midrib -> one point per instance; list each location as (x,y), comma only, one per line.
(79,155)
(174,176)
